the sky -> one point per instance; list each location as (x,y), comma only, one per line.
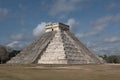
(95,22)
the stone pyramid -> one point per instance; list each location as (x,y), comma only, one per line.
(56,46)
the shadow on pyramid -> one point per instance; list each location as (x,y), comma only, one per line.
(56,46)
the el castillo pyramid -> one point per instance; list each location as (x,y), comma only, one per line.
(56,46)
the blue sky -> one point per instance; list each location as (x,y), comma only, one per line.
(95,22)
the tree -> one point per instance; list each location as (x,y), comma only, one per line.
(3,54)
(13,53)
(111,58)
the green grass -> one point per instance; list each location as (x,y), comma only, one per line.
(60,72)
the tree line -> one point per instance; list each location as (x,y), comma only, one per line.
(111,58)
(8,56)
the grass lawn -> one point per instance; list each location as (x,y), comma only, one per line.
(60,72)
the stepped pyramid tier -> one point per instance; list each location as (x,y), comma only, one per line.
(56,46)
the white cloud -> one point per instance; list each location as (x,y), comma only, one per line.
(113,5)
(19,41)
(22,22)
(3,12)
(107,20)
(20,6)
(62,6)
(100,25)
(103,47)
(96,30)
(40,28)
(18,37)
(112,39)
(72,22)
(17,45)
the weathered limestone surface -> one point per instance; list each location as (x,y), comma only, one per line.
(88,54)
(32,52)
(57,46)
(65,48)
(55,53)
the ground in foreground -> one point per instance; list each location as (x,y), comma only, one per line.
(60,72)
